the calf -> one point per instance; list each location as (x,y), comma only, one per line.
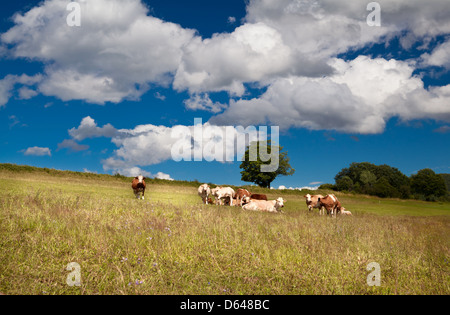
(138,186)
(264,205)
(204,191)
(331,204)
(313,203)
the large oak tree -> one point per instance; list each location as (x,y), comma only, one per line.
(260,155)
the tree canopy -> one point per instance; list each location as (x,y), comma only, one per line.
(261,155)
(429,184)
(379,180)
(386,181)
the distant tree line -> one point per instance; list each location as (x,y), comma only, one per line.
(386,181)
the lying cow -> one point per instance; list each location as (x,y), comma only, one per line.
(331,204)
(264,205)
(204,191)
(258,197)
(240,194)
(313,203)
(223,193)
(247,199)
(138,186)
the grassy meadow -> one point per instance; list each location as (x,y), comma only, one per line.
(172,244)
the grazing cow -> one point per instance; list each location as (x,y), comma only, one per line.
(138,186)
(313,203)
(240,194)
(258,197)
(222,193)
(204,191)
(331,203)
(264,205)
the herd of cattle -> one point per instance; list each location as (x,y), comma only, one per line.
(257,202)
(241,197)
(254,202)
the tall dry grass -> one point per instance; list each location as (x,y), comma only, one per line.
(172,244)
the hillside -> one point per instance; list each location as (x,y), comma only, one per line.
(24,169)
(173,244)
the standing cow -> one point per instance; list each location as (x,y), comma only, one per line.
(313,203)
(138,186)
(331,203)
(223,193)
(204,191)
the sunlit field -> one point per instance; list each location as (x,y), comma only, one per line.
(173,244)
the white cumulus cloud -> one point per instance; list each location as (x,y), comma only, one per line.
(114,55)
(288,47)
(147,145)
(88,129)
(359,98)
(38,151)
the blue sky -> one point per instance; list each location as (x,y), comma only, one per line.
(105,96)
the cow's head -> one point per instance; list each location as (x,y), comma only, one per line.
(215,190)
(280,203)
(308,197)
(140,178)
(245,200)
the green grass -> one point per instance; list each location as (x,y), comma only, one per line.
(175,245)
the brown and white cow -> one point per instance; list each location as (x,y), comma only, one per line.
(312,201)
(264,205)
(138,186)
(240,194)
(204,191)
(331,204)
